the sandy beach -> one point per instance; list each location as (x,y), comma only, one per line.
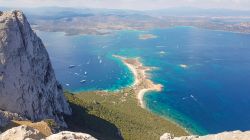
(142,82)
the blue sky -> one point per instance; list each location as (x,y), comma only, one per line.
(132,4)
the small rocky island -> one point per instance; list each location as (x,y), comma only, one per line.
(147,36)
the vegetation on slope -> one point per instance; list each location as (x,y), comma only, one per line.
(116,116)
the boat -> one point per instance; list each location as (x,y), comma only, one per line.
(100,61)
(88,62)
(162,52)
(85,73)
(72,66)
(82,81)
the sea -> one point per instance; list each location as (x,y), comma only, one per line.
(205,73)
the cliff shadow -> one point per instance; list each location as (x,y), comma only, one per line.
(81,121)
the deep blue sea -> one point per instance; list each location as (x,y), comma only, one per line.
(206,74)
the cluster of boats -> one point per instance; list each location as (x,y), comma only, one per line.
(85,73)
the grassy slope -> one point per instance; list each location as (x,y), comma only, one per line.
(115,110)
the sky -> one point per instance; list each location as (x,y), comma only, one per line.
(131,4)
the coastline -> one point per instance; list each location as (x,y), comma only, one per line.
(142,84)
(122,106)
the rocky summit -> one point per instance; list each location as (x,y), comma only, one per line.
(27,80)
(28,133)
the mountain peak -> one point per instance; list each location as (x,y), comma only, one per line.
(28,85)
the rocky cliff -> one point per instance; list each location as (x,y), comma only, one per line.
(29,133)
(27,81)
(234,135)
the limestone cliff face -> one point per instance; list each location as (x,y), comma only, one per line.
(27,81)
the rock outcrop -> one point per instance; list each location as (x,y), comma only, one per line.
(234,135)
(66,135)
(6,117)
(24,132)
(21,133)
(27,81)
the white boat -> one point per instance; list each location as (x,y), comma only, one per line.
(82,81)
(85,72)
(100,61)
(183,65)
(162,52)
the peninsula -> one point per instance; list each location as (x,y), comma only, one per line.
(124,108)
(142,83)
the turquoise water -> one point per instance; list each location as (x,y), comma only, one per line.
(206,74)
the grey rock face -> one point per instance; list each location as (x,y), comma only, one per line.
(27,81)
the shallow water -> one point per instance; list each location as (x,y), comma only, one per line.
(206,74)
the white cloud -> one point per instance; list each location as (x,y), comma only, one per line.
(131,4)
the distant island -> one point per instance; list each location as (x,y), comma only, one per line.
(102,22)
(147,36)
